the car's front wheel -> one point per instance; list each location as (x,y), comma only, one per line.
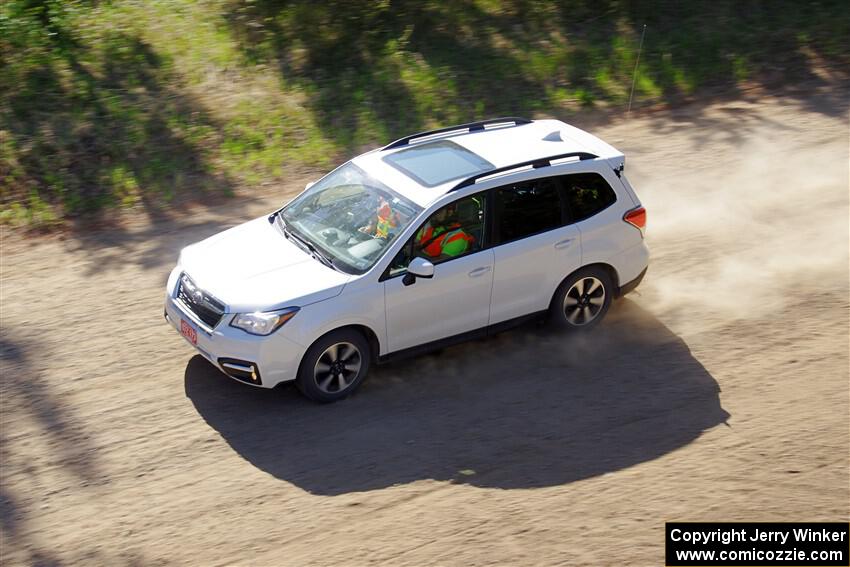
(334,366)
(582,300)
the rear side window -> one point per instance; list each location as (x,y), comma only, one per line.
(527,208)
(587,194)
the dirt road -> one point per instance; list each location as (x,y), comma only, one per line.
(719,392)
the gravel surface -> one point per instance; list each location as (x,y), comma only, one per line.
(717,392)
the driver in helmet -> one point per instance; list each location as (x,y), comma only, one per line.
(442,235)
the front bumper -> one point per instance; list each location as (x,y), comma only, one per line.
(271,360)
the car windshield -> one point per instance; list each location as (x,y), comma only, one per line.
(349,217)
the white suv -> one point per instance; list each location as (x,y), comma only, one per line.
(435,238)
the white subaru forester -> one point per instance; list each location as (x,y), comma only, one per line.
(432,239)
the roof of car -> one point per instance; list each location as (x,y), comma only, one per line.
(501,142)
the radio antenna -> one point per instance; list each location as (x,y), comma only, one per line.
(634,74)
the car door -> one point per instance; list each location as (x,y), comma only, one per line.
(534,248)
(457,298)
(598,214)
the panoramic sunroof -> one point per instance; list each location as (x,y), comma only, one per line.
(434,163)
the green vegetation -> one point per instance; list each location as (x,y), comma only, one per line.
(148,104)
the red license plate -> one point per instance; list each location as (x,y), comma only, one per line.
(189,332)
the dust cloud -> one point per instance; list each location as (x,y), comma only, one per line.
(742,233)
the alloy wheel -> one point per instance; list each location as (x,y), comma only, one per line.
(337,367)
(584,301)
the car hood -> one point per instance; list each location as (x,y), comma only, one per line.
(254,267)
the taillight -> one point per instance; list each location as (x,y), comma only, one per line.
(637,218)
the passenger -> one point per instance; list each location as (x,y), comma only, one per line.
(385,220)
(442,235)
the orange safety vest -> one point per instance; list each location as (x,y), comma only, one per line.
(449,241)
(386,220)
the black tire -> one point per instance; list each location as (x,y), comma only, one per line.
(583,310)
(345,370)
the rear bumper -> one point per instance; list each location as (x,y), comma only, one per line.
(264,362)
(630,286)
(631,265)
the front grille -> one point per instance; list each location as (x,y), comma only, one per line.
(204,306)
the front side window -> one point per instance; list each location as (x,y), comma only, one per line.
(454,230)
(350,216)
(587,194)
(527,208)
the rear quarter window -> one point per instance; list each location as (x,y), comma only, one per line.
(586,195)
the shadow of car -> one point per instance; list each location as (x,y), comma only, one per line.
(526,408)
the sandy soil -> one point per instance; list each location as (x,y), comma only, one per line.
(718,392)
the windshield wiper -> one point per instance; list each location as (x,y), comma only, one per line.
(319,255)
(304,243)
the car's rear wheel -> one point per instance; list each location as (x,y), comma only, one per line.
(334,366)
(582,300)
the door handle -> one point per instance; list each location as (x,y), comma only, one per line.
(564,243)
(479,271)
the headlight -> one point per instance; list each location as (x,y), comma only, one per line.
(263,323)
